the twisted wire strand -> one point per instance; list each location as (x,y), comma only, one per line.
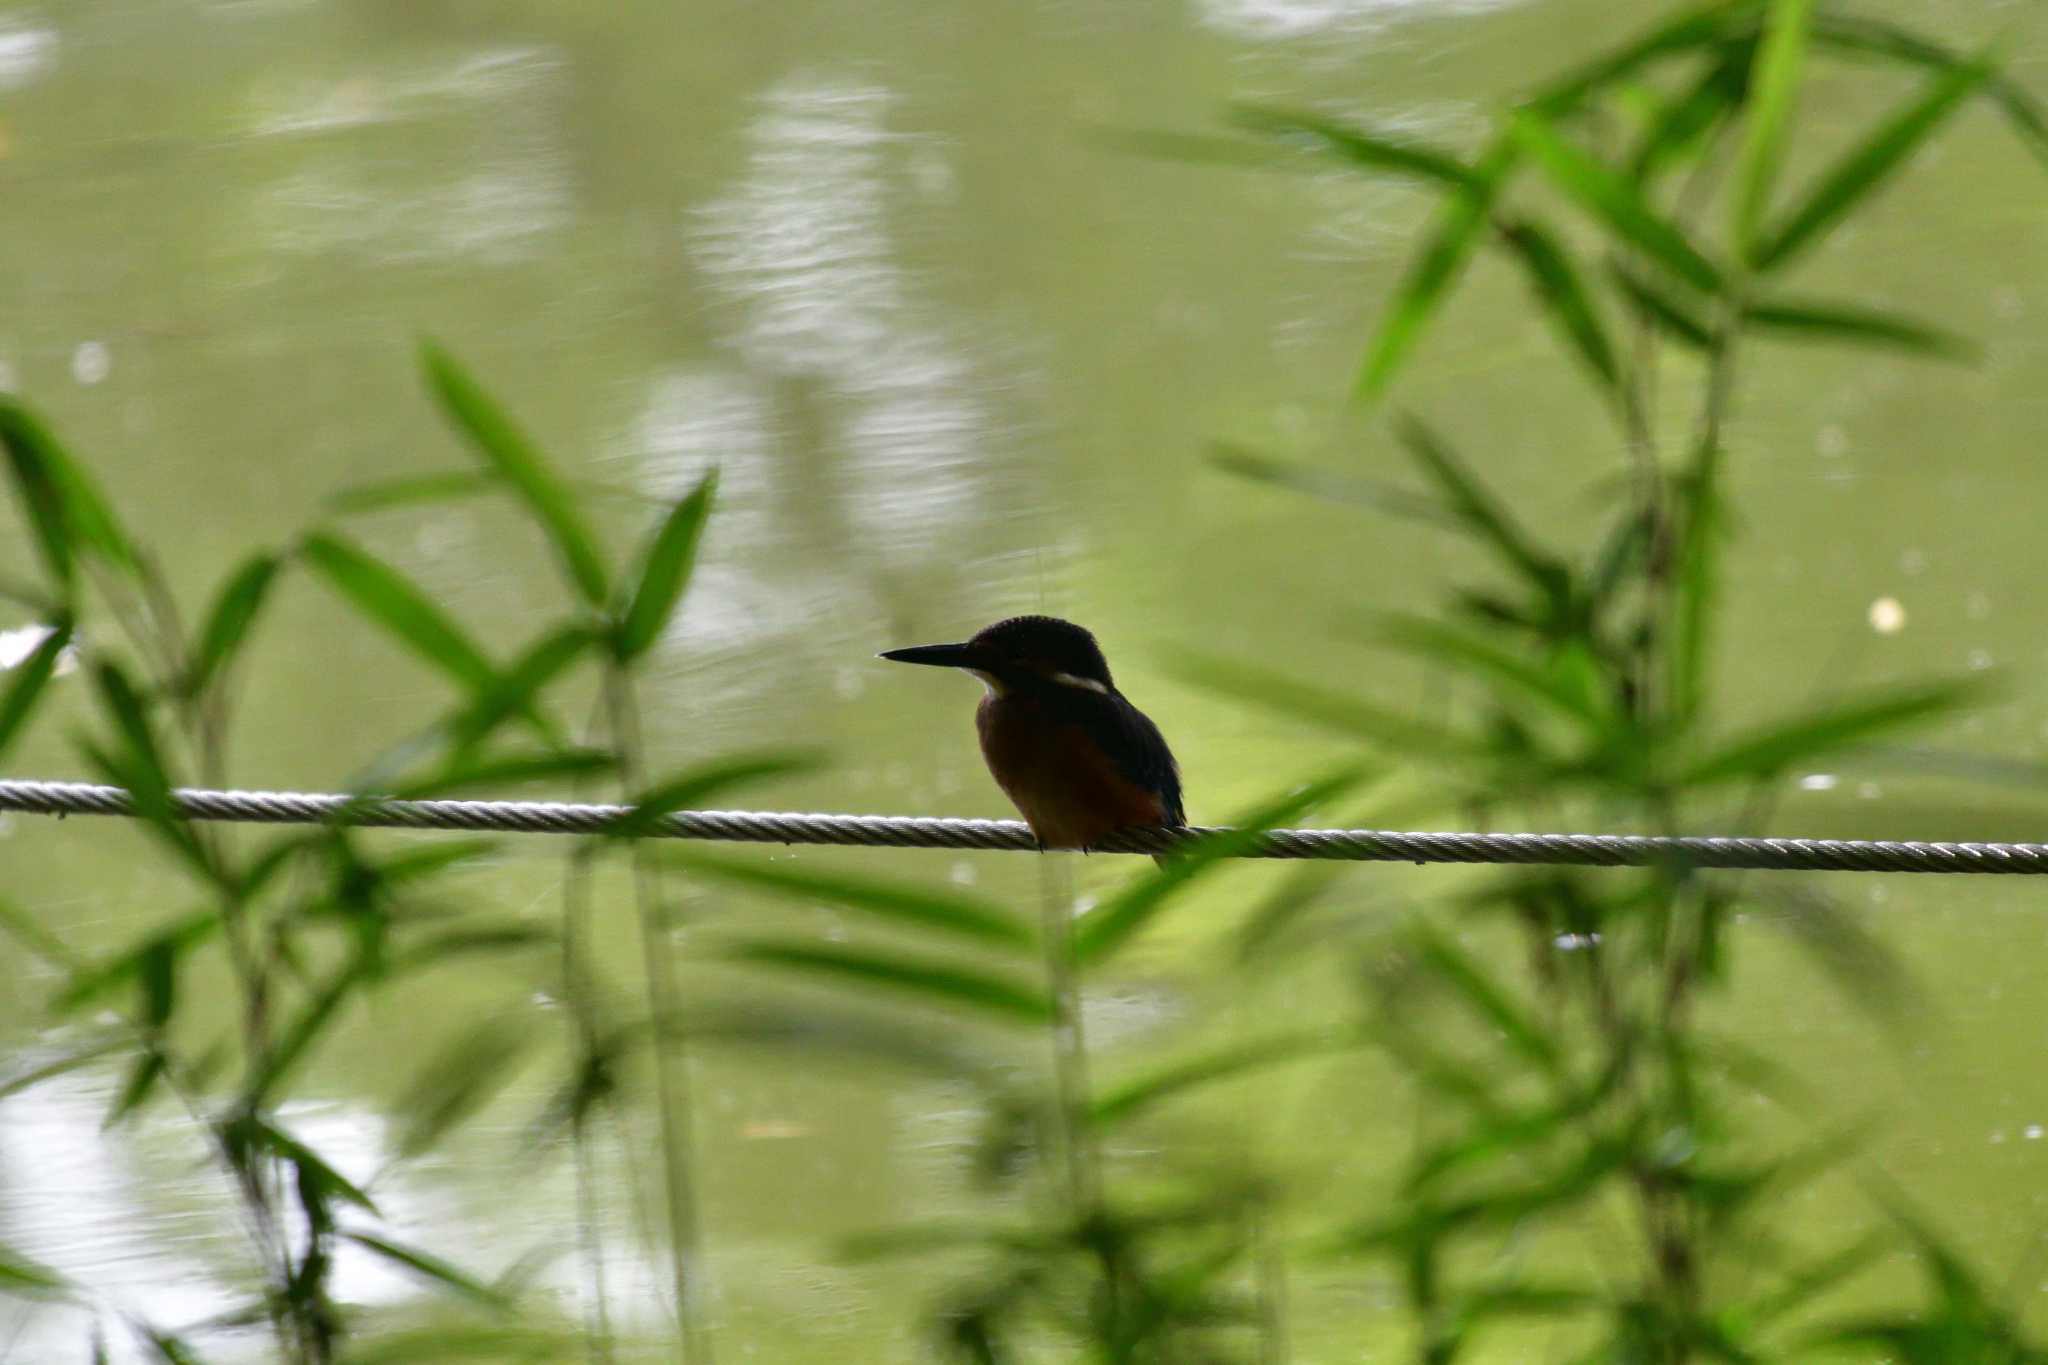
(776,827)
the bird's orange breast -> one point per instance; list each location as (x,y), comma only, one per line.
(1068,790)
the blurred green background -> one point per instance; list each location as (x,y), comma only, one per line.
(957,357)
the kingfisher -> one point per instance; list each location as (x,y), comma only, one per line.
(1077,760)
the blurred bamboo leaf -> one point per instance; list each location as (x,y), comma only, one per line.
(1487,999)
(1125,1101)
(1769,750)
(228,622)
(1614,201)
(297,1038)
(144,1075)
(665,572)
(94,980)
(946,911)
(1674,317)
(1359,146)
(1697,589)
(435,1271)
(384,595)
(1112,923)
(516,691)
(1866,167)
(1329,707)
(1773,88)
(1562,691)
(1459,225)
(505,770)
(65,509)
(28,930)
(1854,325)
(1699,27)
(21,1276)
(697,785)
(1874,37)
(139,767)
(414,489)
(494,1345)
(431,950)
(1685,119)
(1486,520)
(31,676)
(1325,485)
(812,1032)
(1564,297)
(932,981)
(509,452)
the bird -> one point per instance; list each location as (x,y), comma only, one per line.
(1078,761)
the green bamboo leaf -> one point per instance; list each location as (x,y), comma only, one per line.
(253,1133)
(298,1037)
(1327,707)
(948,911)
(93,982)
(1701,531)
(386,597)
(143,1078)
(1502,671)
(1488,999)
(432,950)
(1704,26)
(1867,166)
(1675,317)
(1116,920)
(508,1345)
(1565,298)
(1485,519)
(1324,485)
(228,622)
(1683,121)
(1614,201)
(494,436)
(140,766)
(516,691)
(1769,750)
(1773,86)
(1858,35)
(1134,1096)
(932,981)
(1360,146)
(698,785)
(65,508)
(1459,225)
(811,1033)
(414,490)
(31,676)
(1854,325)
(507,770)
(665,572)
(435,1271)
(21,1276)
(35,1071)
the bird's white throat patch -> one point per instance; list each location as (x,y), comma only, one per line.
(990,681)
(1076,680)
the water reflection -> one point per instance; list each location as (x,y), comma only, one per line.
(1297,18)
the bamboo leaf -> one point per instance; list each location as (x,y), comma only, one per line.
(1773,86)
(31,676)
(1328,707)
(1114,921)
(1867,166)
(1874,37)
(414,490)
(1565,298)
(1360,146)
(665,572)
(431,1268)
(509,770)
(509,452)
(1853,325)
(516,691)
(1684,120)
(92,982)
(1667,312)
(694,787)
(1771,749)
(1691,30)
(1487,999)
(386,597)
(1503,671)
(64,507)
(947,911)
(1325,485)
(22,1276)
(939,982)
(1125,1101)
(228,622)
(1459,225)
(1614,201)
(1484,518)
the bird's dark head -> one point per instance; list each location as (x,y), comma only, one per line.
(1020,652)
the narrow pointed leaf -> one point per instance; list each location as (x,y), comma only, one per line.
(469,775)
(1867,166)
(516,691)
(1360,146)
(415,490)
(947,911)
(30,677)
(1683,121)
(1134,1096)
(1488,521)
(494,436)
(228,622)
(1459,226)
(1331,708)
(1700,27)
(1114,921)
(1569,306)
(1772,749)
(1857,34)
(928,980)
(67,511)
(1489,1000)
(1853,325)
(95,981)
(1773,86)
(20,1275)
(1613,200)
(665,572)
(1501,670)
(386,597)
(1675,317)
(698,785)
(1325,485)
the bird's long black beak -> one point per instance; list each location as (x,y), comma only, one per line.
(939,656)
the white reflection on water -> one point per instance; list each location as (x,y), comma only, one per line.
(1298,18)
(495,192)
(802,246)
(27,51)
